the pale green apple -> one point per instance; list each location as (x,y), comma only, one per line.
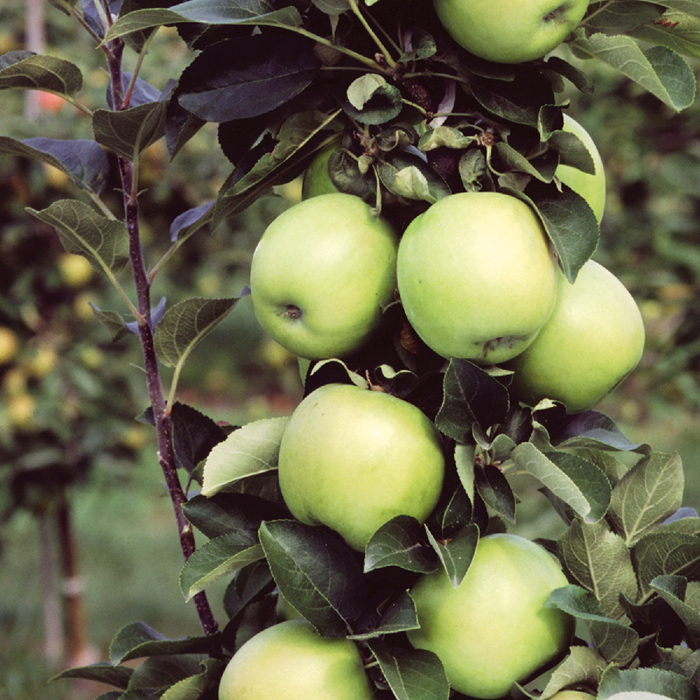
(291,661)
(476,276)
(592,341)
(317,179)
(591,186)
(321,274)
(493,629)
(572,695)
(352,459)
(510,32)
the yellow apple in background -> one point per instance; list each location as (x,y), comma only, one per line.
(75,270)
(321,274)
(592,341)
(291,661)
(493,629)
(510,32)
(590,186)
(9,345)
(476,276)
(352,459)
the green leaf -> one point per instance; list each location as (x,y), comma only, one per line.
(684,598)
(471,395)
(82,231)
(372,100)
(659,70)
(254,12)
(583,665)
(113,322)
(412,674)
(185,325)
(409,176)
(600,561)
(574,480)
(495,491)
(666,554)
(252,449)
(194,435)
(27,70)
(100,672)
(159,673)
(316,573)
(217,558)
(131,131)
(456,554)
(83,160)
(648,494)
(663,683)
(615,641)
(399,616)
(542,168)
(400,542)
(137,640)
(677,31)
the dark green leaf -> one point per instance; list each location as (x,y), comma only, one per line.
(666,554)
(194,435)
(400,616)
(101,673)
(457,552)
(159,673)
(684,598)
(665,684)
(317,573)
(677,31)
(615,641)
(372,100)
(400,542)
(413,674)
(25,69)
(583,665)
(409,176)
(130,132)
(496,492)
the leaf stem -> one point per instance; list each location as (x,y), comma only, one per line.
(371,63)
(161,418)
(380,45)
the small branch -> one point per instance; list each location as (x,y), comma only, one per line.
(380,45)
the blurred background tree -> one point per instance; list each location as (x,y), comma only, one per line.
(74,459)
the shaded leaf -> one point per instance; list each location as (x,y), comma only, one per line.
(25,69)
(666,684)
(372,100)
(101,672)
(252,449)
(316,573)
(583,665)
(400,542)
(412,674)
(194,435)
(400,616)
(666,554)
(191,221)
(496,492)
(409,176)
(684,598)
(457,552)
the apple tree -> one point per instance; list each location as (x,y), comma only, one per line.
(400,107)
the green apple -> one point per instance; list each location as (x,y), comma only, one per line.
(591,186)
(572,695)
(321,274)
(476,276)
(352,459)
(291,661)
(508,32)
(316,177)
(493,629)
(592,341)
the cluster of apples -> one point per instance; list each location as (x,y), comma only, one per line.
(477,279)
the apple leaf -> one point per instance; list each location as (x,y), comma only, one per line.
(648,494)
(189,222)
(195,687)
(454,510)
(400,542)
(574,75)
(620,684)
(250,584)
(157,673)
(397,616)
(600,561)
(542,168)
(82,231)
(131,131)
(494,489)
(117,676)
(217,558)
(372,100)
(457,552)
(247,76)
(665,554)
(252,449)
(409,176)
(194,435)
(412,674)
(137,640)
(583,665)
(572,151)
(317,573)
(185,325)
(28,70)
(616,642)
(678,31)
(684,598)
(85,161)
(471,395)
(574,480)
(659,70)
